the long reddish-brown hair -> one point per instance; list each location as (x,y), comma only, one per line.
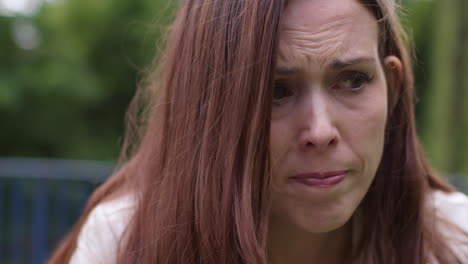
(198,149)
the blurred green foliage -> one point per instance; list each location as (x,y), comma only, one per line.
(65,94)
(441,37)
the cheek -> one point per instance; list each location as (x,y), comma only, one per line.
(369,124)
(281,149)
(367,131)
(279,138)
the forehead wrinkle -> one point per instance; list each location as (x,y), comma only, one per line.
(318,44)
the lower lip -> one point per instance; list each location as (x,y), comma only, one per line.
(321,183)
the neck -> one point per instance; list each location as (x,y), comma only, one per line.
(288,244)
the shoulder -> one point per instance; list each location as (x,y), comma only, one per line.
(451,214)
(100,235)
(452,207)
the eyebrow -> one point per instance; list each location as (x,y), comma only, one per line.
(287,71)
(335,65)
(338,64)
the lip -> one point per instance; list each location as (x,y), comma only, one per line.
(321,179)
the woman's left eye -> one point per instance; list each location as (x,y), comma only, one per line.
(352,81)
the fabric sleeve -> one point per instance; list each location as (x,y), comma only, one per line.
(100,235)
(453,209)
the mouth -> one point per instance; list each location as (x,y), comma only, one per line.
(321,179)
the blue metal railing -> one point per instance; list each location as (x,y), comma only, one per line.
(27,168)
(40,199)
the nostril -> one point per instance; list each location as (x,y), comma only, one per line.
(319,143)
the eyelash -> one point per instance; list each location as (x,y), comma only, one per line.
(351,76)
(281,84)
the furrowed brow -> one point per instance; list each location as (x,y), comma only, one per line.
(335,65)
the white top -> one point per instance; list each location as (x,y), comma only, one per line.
(453,208)
(99,237)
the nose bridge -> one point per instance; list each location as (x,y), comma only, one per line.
(317,108)
(318,125)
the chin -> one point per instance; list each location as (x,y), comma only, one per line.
(326,222)
(315,218)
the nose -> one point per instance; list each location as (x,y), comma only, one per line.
(318,127)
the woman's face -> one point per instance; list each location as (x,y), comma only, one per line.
(329,113)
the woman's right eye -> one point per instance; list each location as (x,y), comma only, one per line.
(281,90)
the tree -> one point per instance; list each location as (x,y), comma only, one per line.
(67,97)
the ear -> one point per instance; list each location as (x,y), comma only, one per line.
(394,73)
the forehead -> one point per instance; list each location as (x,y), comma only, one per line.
(320,31)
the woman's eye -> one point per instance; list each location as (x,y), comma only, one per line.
(353,81)
(281,90)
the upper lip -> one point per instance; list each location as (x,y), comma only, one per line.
(319,174)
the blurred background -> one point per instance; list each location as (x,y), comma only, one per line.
(69,68)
